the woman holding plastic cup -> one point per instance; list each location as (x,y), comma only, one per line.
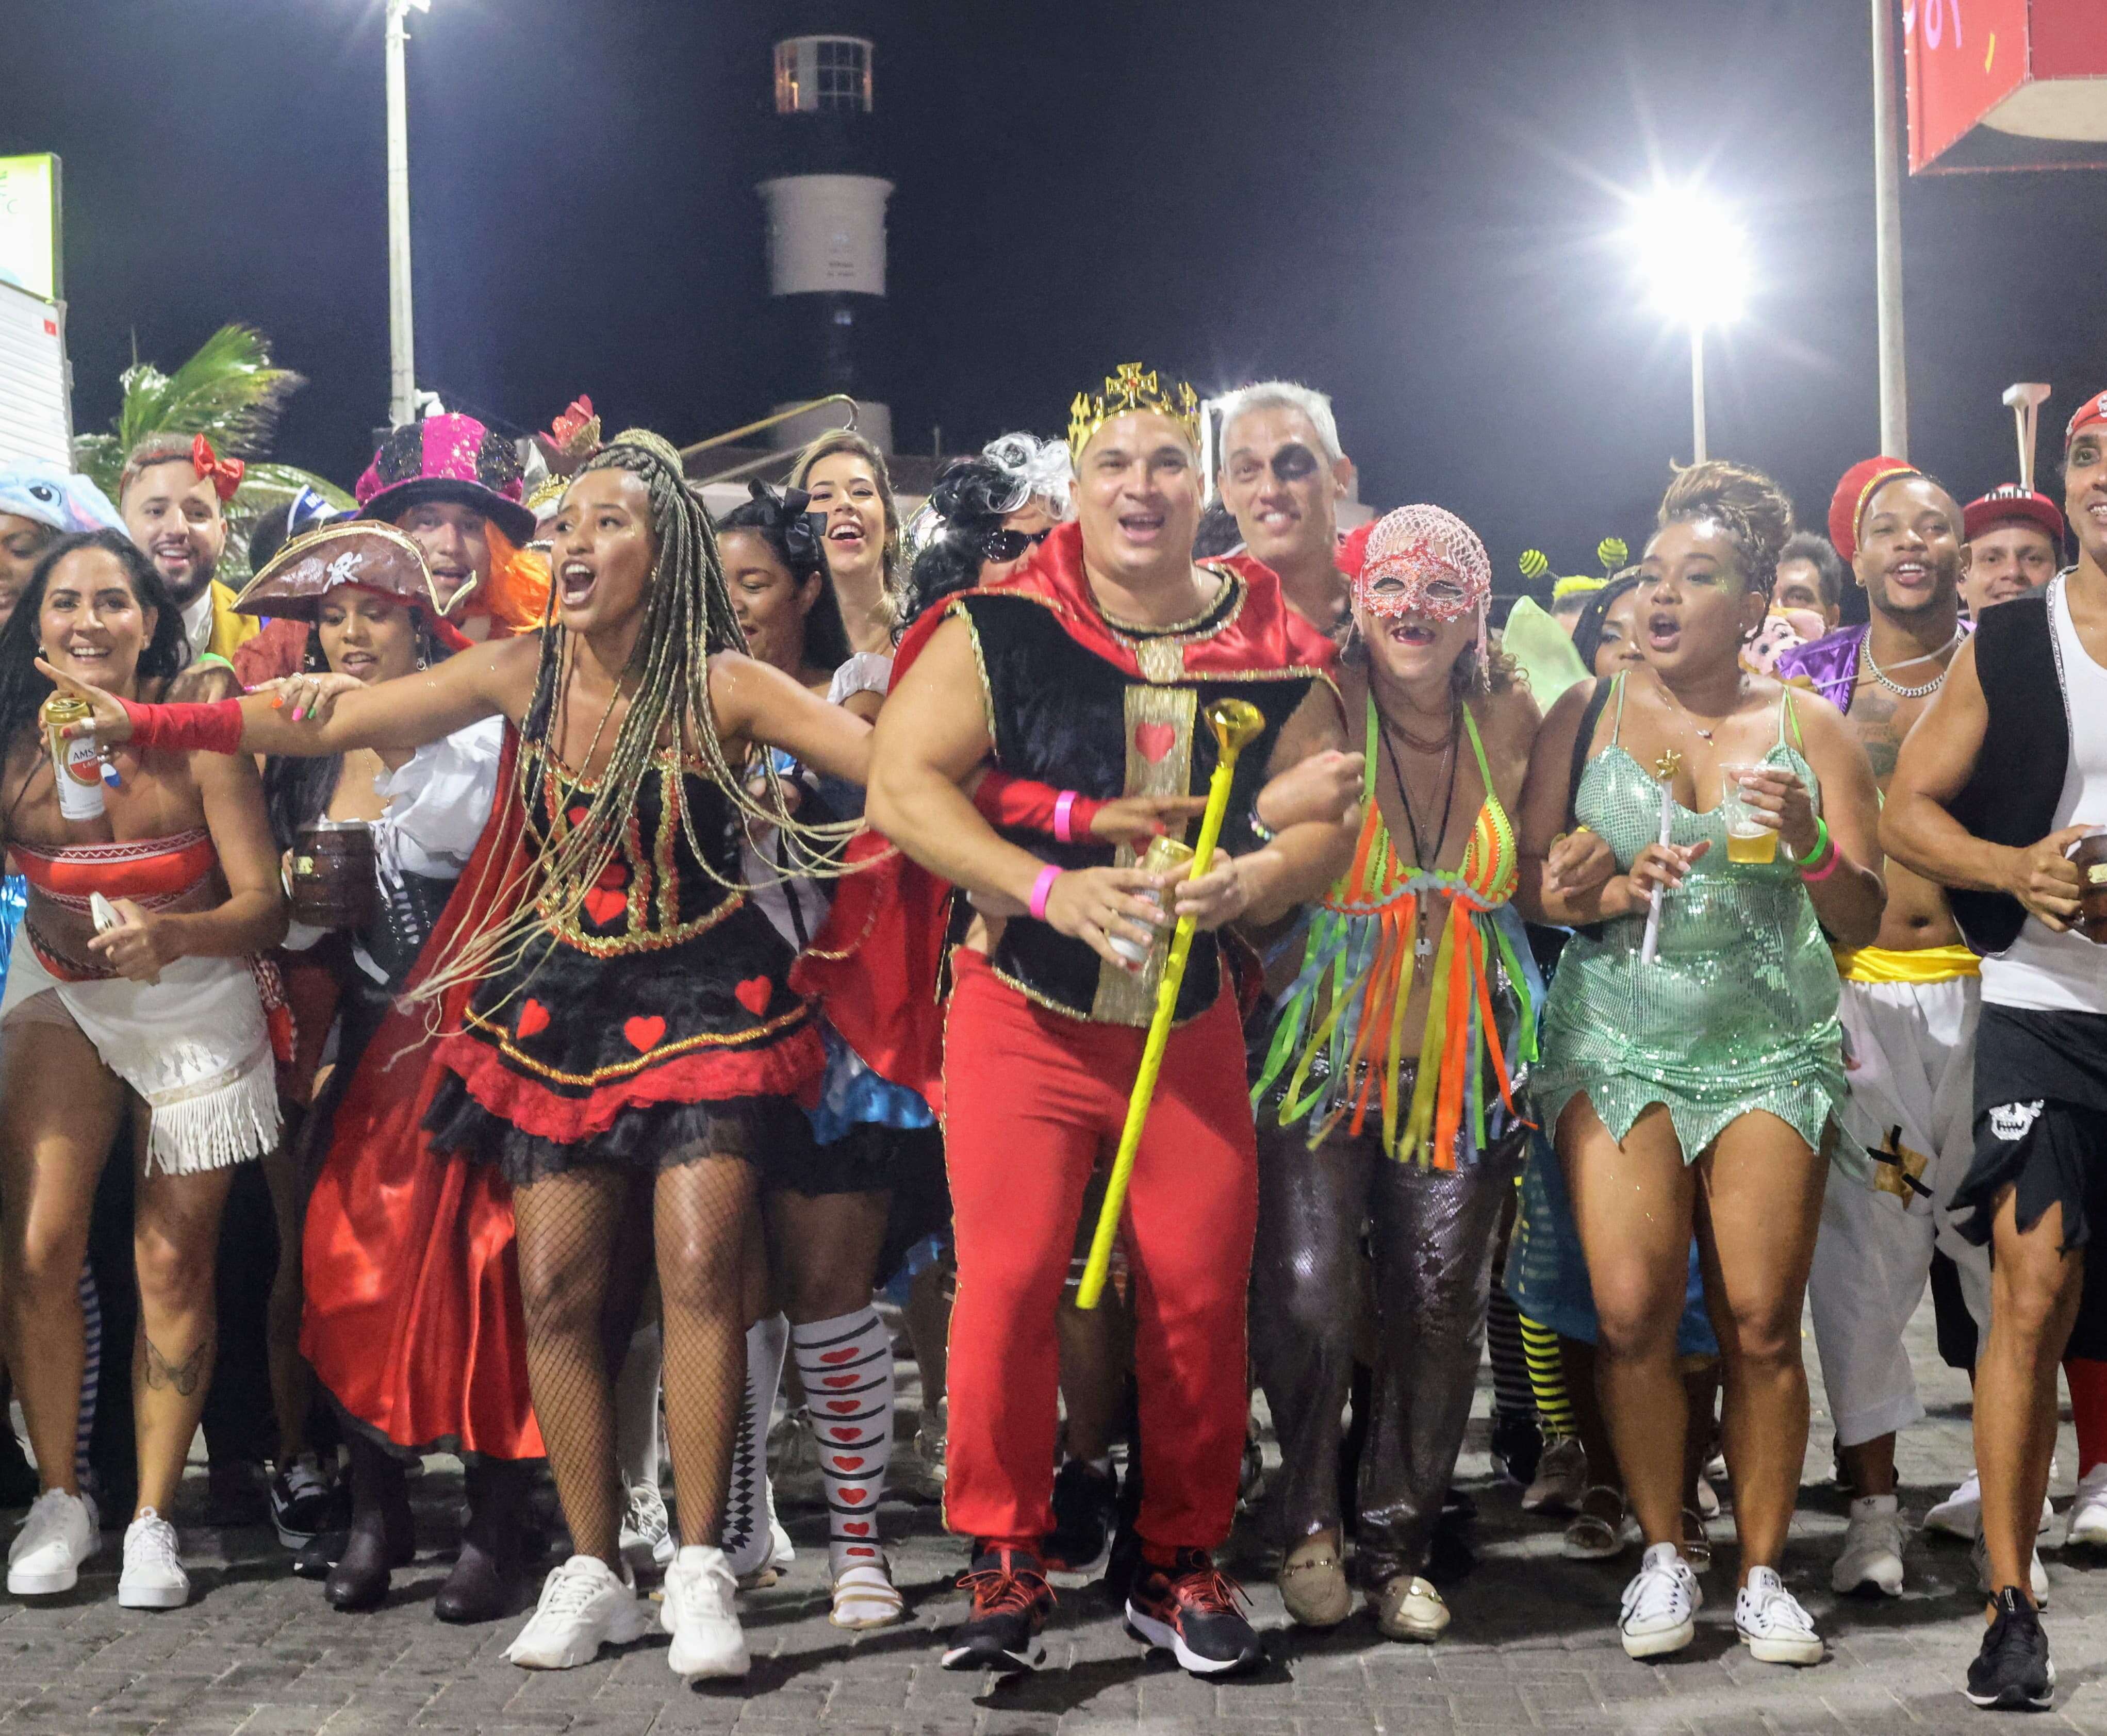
(1695,1088)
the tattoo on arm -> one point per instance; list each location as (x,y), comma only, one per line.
(185,1376)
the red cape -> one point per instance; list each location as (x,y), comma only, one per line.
(876,966)
(413,1319)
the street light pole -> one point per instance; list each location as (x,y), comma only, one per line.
(1887,237)
(1697,391)
(402,322)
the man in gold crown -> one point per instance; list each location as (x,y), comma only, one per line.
(1090,669)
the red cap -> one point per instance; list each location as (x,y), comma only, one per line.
(2092,413)
(2011,501)
(1847,506)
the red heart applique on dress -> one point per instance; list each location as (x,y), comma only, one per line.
(576,816)
(857,1527)
(643,1033)
(853,1496)
(851,1465)
(754,994)
(1154,740)
(604,906)
(533,1020)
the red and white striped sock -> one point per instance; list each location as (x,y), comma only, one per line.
(846,1365)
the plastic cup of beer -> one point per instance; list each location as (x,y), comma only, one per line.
(1749,841)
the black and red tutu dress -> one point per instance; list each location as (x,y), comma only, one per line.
(654,1024)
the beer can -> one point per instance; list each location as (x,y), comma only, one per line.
(1163,854)
(76,765)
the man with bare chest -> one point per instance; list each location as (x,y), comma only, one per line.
(1909,1009)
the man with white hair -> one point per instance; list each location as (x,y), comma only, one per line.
(1283,475)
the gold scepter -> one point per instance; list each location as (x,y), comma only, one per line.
(1236,723)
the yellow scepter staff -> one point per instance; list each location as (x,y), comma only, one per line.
(1236,723)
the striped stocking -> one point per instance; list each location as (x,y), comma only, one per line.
(846,1365)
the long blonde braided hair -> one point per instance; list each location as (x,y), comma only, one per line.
(688,614)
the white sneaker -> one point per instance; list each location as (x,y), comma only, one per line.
(1873,1542)
(780,1551)
(584,1606)
(154,1577)
(699,1613)
(2037,1574)
(60,1531)
(1773,1626)
(645,1526)
(1961,1514)
(1659,1604)
(2088,1513)
(1561,1477)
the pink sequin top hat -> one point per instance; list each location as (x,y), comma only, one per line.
(447,458)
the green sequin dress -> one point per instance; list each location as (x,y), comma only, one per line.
(1738,1010)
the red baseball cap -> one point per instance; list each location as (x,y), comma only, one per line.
(2009,502)
(1847,506)
(2092,413)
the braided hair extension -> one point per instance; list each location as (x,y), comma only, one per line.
(688,615)
(1751,508)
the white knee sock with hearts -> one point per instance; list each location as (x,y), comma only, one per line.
(846,1364)
(745,1538)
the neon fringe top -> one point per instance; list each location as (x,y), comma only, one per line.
(1357,967)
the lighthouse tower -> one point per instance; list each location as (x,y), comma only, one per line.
(825,200)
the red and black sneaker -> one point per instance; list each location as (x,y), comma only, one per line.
(1011,1602)
(1191,1607)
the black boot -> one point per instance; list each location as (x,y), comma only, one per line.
(485,1583)
(381,1535)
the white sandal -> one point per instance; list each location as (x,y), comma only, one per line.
(865,1596)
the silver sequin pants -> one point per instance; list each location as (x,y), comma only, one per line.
(1431,1234)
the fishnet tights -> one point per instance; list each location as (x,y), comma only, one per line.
(572,1230)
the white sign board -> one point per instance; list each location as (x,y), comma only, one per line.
(36,415)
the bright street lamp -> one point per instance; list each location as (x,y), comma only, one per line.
(1694,260)
(401,331)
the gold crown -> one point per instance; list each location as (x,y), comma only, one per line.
(1130,389)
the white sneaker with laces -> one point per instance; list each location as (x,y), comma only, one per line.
(1961,1514)
(1773,1626)
(2088,1513)
(1873,1540)
(645,1525)
(584,1606)
(1661,1604)
(2037,1574)
(153,1577)
(699,1613)
(60,1533)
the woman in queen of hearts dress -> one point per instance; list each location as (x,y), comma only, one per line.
(616,1036)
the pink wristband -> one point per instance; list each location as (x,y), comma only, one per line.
(1063,806)
(1830,856)
(1041,888)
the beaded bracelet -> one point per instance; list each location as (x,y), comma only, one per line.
(1041,888)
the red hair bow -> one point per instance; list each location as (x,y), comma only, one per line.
(225,473)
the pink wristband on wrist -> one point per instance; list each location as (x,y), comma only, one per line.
(1041,888)
(1829,859)
(1064,806)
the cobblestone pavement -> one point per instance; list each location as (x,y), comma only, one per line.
(1532,1647)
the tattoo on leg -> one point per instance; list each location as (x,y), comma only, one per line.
(185,1376)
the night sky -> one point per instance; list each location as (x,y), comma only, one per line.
(1409,204)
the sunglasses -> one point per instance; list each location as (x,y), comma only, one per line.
(1009,546)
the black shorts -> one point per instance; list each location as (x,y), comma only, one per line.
(2041,1121)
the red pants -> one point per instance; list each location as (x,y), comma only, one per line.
(1033,1099)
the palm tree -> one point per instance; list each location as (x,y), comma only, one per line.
(231,393)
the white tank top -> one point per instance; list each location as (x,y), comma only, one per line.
(2043,970)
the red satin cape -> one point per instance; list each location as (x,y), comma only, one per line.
(412,1318)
